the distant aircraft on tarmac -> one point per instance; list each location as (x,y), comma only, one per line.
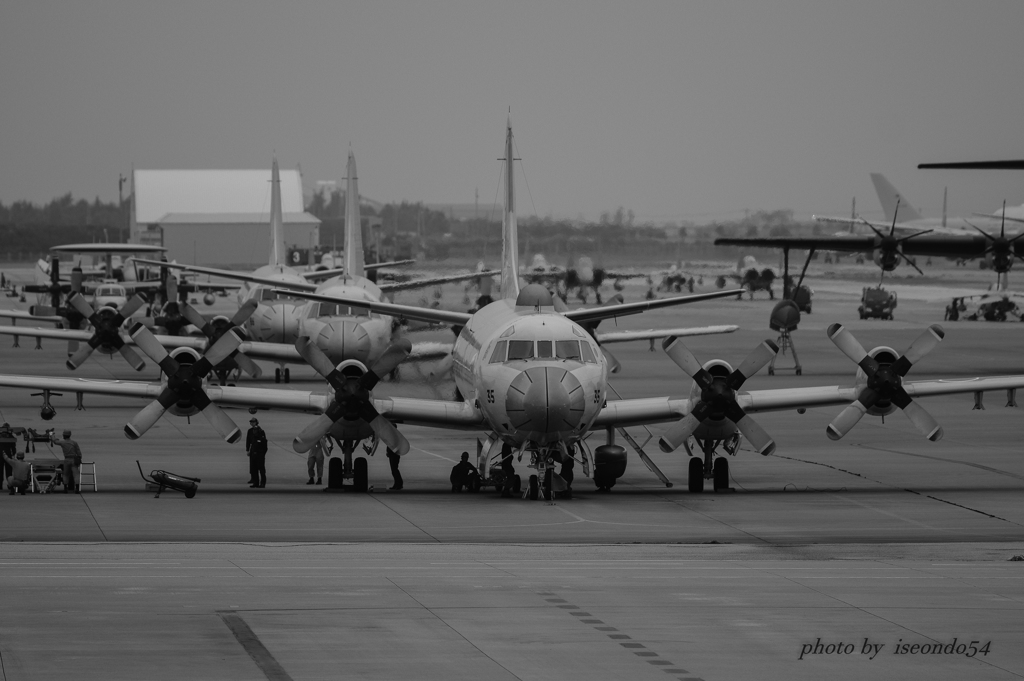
(532,376)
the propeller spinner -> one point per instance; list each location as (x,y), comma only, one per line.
(884,382)
(718,396)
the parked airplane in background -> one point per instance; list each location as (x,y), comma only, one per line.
(579,275)
(534,380)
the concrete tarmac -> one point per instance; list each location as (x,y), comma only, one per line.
(881,539)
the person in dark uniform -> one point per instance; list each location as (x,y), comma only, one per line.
(256,449)
(508,471)
(72,466)
(394,459)
(463,474)
(21,472)
(8,447)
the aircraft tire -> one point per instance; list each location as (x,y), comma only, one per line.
(695,475)
(534,488)
(287,375)
(721,474)
(277,375)
(547,485)
(517,485)
(360,475)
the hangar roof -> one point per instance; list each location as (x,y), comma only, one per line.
(159,193)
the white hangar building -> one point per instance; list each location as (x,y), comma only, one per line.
(217,217)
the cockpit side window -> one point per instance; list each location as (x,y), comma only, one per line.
(498,356)
(588,353)
(544,349)
(267,294)
(520,349)
(567,349)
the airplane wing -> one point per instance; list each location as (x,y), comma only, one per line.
(952,245)
(884,227)
(319,275)
(22,314)
(435,281)
(652,334)
(408,311)
(596,314)
(230,274)
(648,410)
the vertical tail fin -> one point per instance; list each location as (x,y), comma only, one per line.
(888,197)
(353,224)
(278,257)
(509,233)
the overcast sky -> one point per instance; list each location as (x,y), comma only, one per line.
(674,110)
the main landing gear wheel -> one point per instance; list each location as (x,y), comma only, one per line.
(534,488)
(547,485)
(277,375)
(721,474)
(695,475)
(287,375)
(360,475)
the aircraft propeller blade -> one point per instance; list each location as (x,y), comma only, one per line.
(312,433)
(132,357)
(924,421)
(758,438)
(132,306)
(171,287)
(314,356)
(244,312)
(684,359)
(246,364)
(222,423)
(79,302)
(754,362)
(146,342)
(224,346)
(72,347)
(678,432)
(924,344)
(149,414)
(80,356)
(390,435)
(194,318)
(844,340)
(845,421)
(392,357)
(614,365)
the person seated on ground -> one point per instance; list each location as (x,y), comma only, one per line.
(464,474)
(21,472)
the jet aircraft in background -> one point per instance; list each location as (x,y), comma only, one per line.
(535,381)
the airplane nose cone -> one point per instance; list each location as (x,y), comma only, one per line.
(275,323)
(545,400)
(344,340)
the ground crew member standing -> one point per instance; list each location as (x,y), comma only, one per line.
(72,463)
(8,446)
(393,459)
(317,452)
(256,449)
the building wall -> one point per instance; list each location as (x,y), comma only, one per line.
(231,244)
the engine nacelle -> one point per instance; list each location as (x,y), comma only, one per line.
(884,356)
(609,465)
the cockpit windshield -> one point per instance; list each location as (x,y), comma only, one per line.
(338,310)
(513,350)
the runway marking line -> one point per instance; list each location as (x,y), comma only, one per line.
(624,640)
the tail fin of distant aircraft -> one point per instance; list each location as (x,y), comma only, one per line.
(888,197)
(353,224)
(278,256)
(509,234)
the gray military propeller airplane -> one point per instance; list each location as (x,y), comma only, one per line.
(535,380)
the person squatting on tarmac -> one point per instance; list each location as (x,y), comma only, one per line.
(464,474)
(8,447)
(21,472)
(317,453)
(393,459)
(72,468)
(256,450)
